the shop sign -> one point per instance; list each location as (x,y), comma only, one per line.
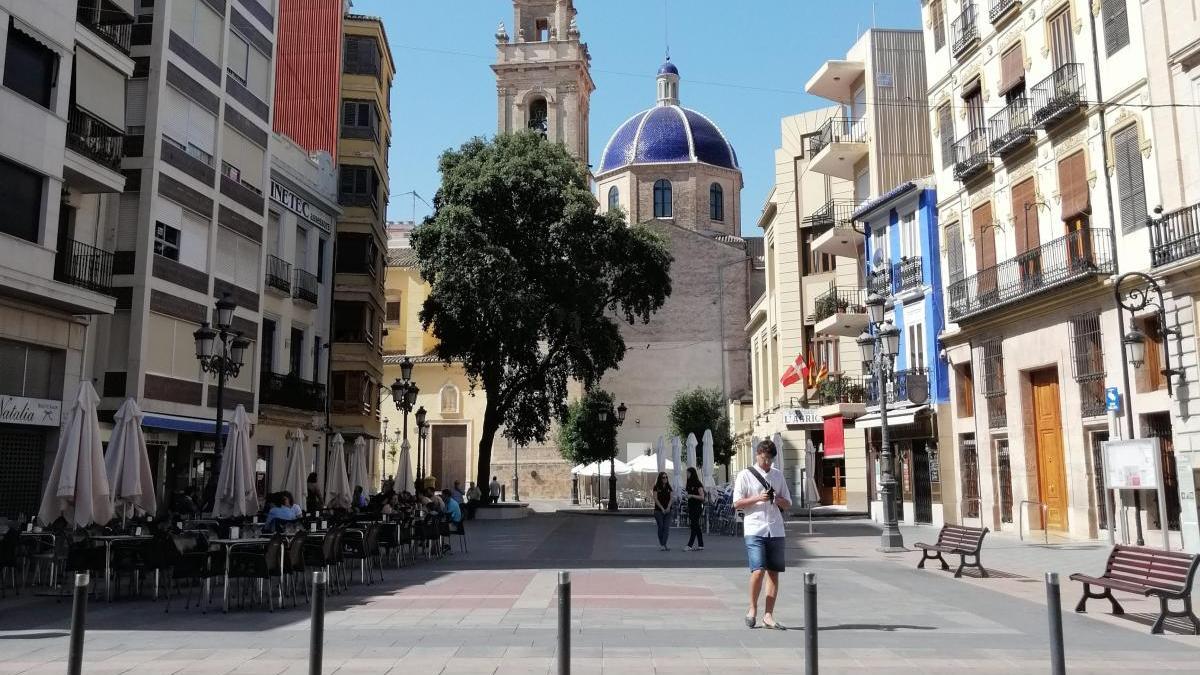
(36,411)
(294,202)
(795,416)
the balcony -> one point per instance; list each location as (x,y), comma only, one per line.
(79,264)
(905,386)
(879,281)
(1002,10)
(1082,254)
(1175,236)
(840,389)
(1010,129)
(108,21)
(964,31)
(971,156)
(291,391)
(1057,96)
(279,275)
(355,336)
(907,274)
(840,238)
(306,286)
(94,138)
(841,311)
(836,80)
(838,147)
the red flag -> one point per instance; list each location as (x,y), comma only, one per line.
(795,372)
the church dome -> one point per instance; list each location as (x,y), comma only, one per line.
(668,133)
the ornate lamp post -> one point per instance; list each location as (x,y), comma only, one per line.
(879,345)
(612,461)
(221,352)
(422,434)
(1145,294)
(404,393)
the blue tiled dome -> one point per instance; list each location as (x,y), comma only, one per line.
(668,134)
(668,68)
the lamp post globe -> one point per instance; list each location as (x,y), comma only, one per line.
(205,338)
(889,334)
(866,346)
(406,369)
(225,308)
(1135,347)
(875,303)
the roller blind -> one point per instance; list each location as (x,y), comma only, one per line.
(1131,182)
(127,222)
(202,128)
(1027,231)
(99,89)
(193,244)
(1072,185)
(238,259)
(175,115)
(135,103)
(244,155)
(259,78)
(1012,69)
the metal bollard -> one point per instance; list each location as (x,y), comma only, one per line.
(810,623)
(1058,659)
(316,644)
(78,617)
(564,623)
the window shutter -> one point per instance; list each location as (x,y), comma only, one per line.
(175,115)
(202,128)
(127,222)
(353,54)
(985,237)
(937,14)
(954,251)
(346,180)
(135,103)
(946,129)
(1028,234)
(226,262)
(1116,25)
(1131,183)
(349,110)
(1012,69)
(1072,185)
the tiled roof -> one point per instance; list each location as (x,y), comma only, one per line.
(396,359)
(402,257)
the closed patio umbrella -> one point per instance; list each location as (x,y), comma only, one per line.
(777,439)
(812,495)
(404,477)
(358,467)
(337,482)
(660,454)
(295,473)
(677,469)
(236,494)
(78,488)
(127,465)
(691,451)
(708,453)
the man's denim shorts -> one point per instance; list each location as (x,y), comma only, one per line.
(766,553)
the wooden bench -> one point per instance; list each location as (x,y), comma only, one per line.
(1166,575)
(958,540)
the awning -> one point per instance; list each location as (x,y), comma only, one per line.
(835,437)
(895,418)
(193,425)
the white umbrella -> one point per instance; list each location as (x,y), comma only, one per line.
(127,465)
(295,478)
(602,469)
(358,467)
(677,468)
(691,451)
(78,489)
(811,492)
(404,467)
(777,439)
(236,494)
(660,455)
(578,469)
(709,481)
(337,482)
(650,464)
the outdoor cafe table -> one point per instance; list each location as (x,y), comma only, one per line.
(109,540)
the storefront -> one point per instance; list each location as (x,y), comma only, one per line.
(30,376)
(913,434)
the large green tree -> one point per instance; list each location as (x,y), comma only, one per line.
(697,410)
(528,280)
(583,437)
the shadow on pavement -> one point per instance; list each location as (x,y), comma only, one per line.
(875,626)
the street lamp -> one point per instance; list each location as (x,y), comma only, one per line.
(404,394)
(612,461)
(422,435)
(879,349)
(221,352)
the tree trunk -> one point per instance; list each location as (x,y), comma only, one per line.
(487,435)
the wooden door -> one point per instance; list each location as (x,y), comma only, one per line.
(1051,469)
(448,454)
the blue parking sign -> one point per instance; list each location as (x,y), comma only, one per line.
(1112,399)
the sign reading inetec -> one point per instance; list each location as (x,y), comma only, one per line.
(294,202)
(36,411)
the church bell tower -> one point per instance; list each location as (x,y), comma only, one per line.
(543,74)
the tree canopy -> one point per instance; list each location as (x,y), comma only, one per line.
(583,437)
(697,410)
(528,280)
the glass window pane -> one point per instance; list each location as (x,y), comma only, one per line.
(12,368)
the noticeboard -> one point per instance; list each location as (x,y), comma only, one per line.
(1132,465)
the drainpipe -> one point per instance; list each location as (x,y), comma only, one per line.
(1112,235)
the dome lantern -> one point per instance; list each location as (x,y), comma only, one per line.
(668,83)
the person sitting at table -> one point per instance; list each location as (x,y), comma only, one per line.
(313,499)
(290,500)
(282,511)
(457,493)
(359,501)
(452,509)
(474,498)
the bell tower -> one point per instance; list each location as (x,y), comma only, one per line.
(543,74)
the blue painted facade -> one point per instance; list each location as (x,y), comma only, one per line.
(921,304)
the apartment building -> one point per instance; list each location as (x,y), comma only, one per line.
(188,227)
(297,307)
(64,69)
(1042,198)
(877,141)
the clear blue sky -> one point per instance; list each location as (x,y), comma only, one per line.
(744,64)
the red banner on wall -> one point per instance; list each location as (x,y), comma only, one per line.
(835,437)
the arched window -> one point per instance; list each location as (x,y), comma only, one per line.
(662,198)
(538,116)
(716,202)
(449,399)
(614,198)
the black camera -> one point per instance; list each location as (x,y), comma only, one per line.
(771,495)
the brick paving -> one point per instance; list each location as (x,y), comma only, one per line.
(635,610)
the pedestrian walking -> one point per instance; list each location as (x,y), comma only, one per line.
(762,495)
(494,491)
(695,506)
(662,509)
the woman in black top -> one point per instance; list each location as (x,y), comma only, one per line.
(662,509)
(695,504)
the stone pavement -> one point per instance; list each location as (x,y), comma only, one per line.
(635,610)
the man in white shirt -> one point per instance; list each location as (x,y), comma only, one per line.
(494,491)
(762,495)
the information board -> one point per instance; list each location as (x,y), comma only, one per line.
(1132,465)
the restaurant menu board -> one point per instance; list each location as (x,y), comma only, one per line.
(1132,465)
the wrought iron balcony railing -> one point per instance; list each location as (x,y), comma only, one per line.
(964,30)
(107,20)
(905,386)
(839,300)
(1000,8)
(1011,128)
(906,274)
(85,266)
(306,286)
(1175,236)
(353,336)
(1078,255)
(879,281)
(971,155)
(1058,95)
(833,213)
(838,130)
(279,274)
(94,138)
(840,388)
(291,391)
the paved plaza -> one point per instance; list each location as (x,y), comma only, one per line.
(635,610)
